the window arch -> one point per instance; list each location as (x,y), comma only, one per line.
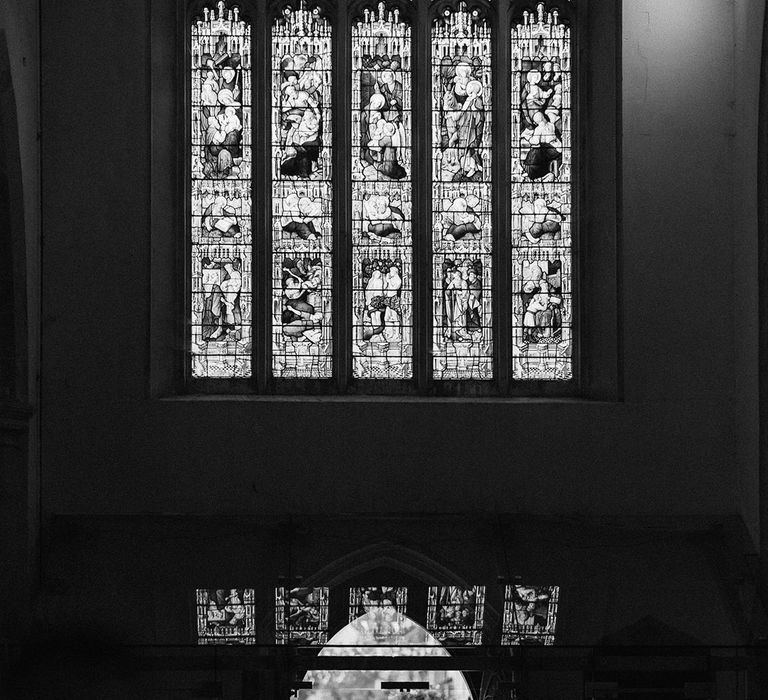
(429,252)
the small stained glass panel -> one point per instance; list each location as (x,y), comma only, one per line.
(530,615)
(363,600)
(541,196)
(455,615)
(302,233)
(382,297)
(461,196)
(226,616)
(301,616)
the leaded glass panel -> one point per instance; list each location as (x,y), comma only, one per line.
(302,235)
(220,206)
(363,600)
(461,196)
(542,295)
(382,274)
(225,616)
(301,616)
(455,615)
(530,614)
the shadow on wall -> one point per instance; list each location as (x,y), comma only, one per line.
(82,667)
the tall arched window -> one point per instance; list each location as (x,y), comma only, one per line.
(221,144)
(384,197)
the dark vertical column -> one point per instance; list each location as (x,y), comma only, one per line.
(762,229)
(580,38)
(503,294)
(261,184)
(422,196)
(342,199)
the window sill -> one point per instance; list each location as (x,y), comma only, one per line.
(373,398)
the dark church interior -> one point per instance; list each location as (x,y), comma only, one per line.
(609,540)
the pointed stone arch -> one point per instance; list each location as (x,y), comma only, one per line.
(387,555)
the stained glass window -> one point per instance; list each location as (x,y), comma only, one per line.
(225,616)
(382,274)
(414,298)
(461,195)
(542,304)
(363,600)
(530,615)
(302,234)
(455,615)
(301,616)
(220,206)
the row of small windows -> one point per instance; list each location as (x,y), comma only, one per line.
(455,616)
(382,270)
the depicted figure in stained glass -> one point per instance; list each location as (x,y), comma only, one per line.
(225,615)
(222,313)
(366,599)
(221,114)
(530,614)
(541,220)
(381,116)
(220,218)
(460,219)
(544,156)
(381,194)
(457,608)
(301,615)
(301,114)
(531,607)
(542,300)
(542,143)
(299,215)
(463,119)
(378,610)
(302,282)
(455,615)
(462,240)
(220,206)
(383,284)
(383,216)
(541,105)
(302,193)
(462,291)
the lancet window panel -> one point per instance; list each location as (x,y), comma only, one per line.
(221,151)
(382,196)
(302,194)
(462,237)
(542,166)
